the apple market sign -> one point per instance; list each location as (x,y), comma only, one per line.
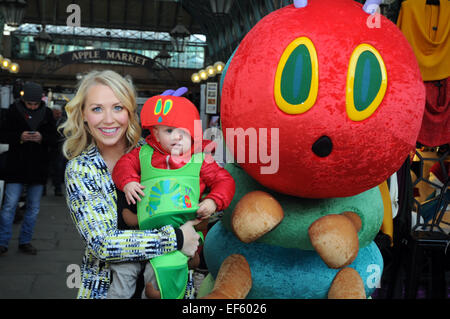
(106,55)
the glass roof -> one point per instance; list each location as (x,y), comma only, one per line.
(101,32)
(100,38)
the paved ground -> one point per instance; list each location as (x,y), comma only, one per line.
(44,275)
(50,273)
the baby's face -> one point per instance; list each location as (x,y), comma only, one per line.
(172,139)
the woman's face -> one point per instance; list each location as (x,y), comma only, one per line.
(106,118)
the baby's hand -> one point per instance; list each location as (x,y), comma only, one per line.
(206,208)
(131,190)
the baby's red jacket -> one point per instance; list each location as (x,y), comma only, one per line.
(213,178)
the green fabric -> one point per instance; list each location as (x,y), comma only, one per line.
(206,286)
(171,198)
(300,213)
(171,195)
(171,271)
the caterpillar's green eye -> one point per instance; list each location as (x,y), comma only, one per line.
(158,107)
(366,82)
(296,78)
(167,106)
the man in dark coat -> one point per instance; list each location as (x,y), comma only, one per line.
(29,129)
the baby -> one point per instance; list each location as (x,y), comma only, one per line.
(167,178)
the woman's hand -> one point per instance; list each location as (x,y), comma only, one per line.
(190,237)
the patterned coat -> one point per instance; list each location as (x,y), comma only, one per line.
(92,201)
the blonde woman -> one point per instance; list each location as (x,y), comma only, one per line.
(101,126)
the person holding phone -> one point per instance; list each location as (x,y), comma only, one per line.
(30,130)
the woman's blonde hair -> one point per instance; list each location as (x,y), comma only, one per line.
(76,131)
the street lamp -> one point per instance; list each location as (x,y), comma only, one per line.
(219,66)
(13,11)
(42,41)
(203,74)
(211,71)
(195,78)
(53,59)
(208,72)
(14,68)
(178,36)
(221,7)
(163,56)
(6,63)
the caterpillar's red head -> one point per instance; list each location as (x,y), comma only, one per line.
(347,99)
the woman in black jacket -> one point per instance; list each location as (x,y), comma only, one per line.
(29,129)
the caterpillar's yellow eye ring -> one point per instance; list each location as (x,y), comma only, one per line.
(167,107)
(366,82)
(297,77)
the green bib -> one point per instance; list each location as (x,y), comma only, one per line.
(171,195)
(171,198)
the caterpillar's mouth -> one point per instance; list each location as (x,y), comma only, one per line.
(323,146)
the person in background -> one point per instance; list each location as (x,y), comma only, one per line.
(29,129)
